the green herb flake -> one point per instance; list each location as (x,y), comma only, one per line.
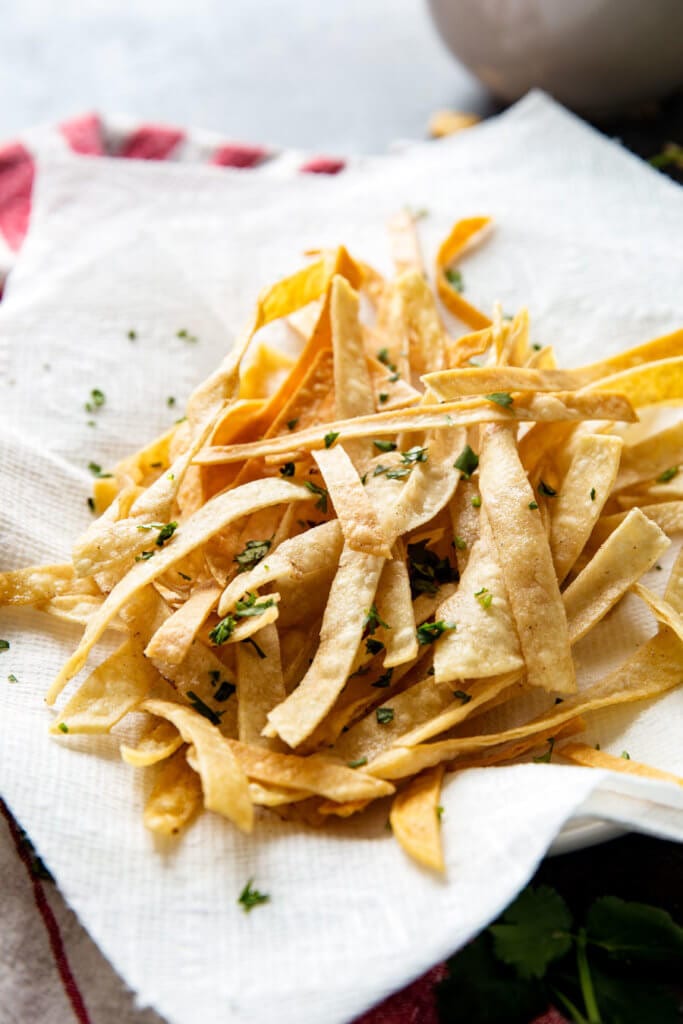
(144,556)
(626,756)
(203,709)
(383,356)
(250,897)
(502,398)
(533,505)
(165,533)
(373,646)
(484,597)
(460,543)
(383,397)
(593,493)
(544,488)
(249,606)
(222,632)
(440,812)
(414,455)
(359,763)
(385,446)
(63,727)
(331,438)
(476,501)
(170,401)
(97,400)
(670,156)
(96,470)
(224,691)
(384,680)
(384,716)
(132,335)
(373,620)
(427,571)
(545,757)
(462,696)
(253,552)
(4,645)
(291,424)
(454,278)
(668,474)
(11,678)
(536,347)
(186,335)
(394,377)
(429,632)
(287,469)
(321,503)
(467,461)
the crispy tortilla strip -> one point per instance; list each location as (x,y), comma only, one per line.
(460,351)
(215,515)
(36,584)
(654,669)
(463,235)
(648,384)
(540,407)
(172,641)
(315,774)
(357,517)
(416,310)
(464,521)
(429,487)
(395,606)
(329,807)
(449,385)
(651,457)
(260,686)
(77,609)
(542,359)
(405,242)
(275,796)
(668,515)
(581,497)
(631,550)
(647,494)
(144,465)
(514,342)
(527,566)
(353,391)
(115,687)
(665,347)
(448,122)
(414,819)
(510,752)
(391,392)
(351,596)
(661,610)
(482,694)
(224,784)
(159,741)
(580,753)
(485,642)
(295,559)
(265,373)
(175,798)
(674,587)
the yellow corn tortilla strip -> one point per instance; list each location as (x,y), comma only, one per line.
(113,689)
(654,669)
(672,490)
(514,346)
(391,392)
(429,487)
(158,743)
(510,752)
(77,609)
(416,310)
(224,783)
(175,798)
(353,391)
(665,347)
(668,515)
(395,606)
(630,551)
(482,694)
(463,235)
(345,810)
(405,243)
(661,610)
(464,521)
(265,373)
(450,385)
(527,566)
(461,350)
(485,642)
(215,515)
(260,685)
(673,594)
(351,597)
(647,385)
(589,757)
(295,559)
(581,497)
(414,819)
(35,584)
(529,406)
(542,359)
(173,639)
(275,796)
(448,122)
(651,457)
(357,517)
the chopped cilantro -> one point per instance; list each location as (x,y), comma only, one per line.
(185,576)
(476,501)
(428,632)
(203,709)
(252,554)
(385,446)
(658,567)
(97,400)
(144,556)
(462,696)
(359,763)
(63,727)
(222,632)
(384,715)
(96,470)
(536,347)
(626,756)
(460,543)
(415,454)
(454,278)
(249,606)
(533,505)
(394,377)
(170,401)
(373,646)
(250,898)
(384,680)
(224,691)
(91,504)
(11,678)
(667,475)
(259,650)
(502,398)
(132,335)
(467,461)
(331,438)
(291,424)
(321,503)
(670,156)
(427,571)
(593,493)
(545,757)
(544,488)
(186,336)
(4,645)
(165,533)
(287,469)
(484,597)
(214,675)
(383,397)
(373,620)
(440,812)
(383,356)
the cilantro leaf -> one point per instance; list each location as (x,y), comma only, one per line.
(467,461)
(429,632)
(331,438)
(454,278)
(544,488)
(250,897)
(385,446)
(287,469)
(667,475)
(415,454)
(383,356)
(321,503)
(203,709)
(384,715)
(629,1000)
(533,932)
(634,931)
(384,680)
(165,533)
(373,646)
(252,554)
(502,398)
(373,620)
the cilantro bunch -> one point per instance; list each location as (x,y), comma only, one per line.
(623,964)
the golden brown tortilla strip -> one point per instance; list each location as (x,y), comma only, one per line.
(415,820)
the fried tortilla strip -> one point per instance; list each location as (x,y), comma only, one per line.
(652,457)
(429,487)
(542,359)
(665,347)
(528,406)
(113,689)
(172,641)
(215,515)
(76,608)
(510,752)
(357,517)
(674,588)
(159,741)
(630,551)
(391,390)
(414,819)
(654,669)
(265,373)
(351,597)
(461,351)
(668,515)
(405,242)
(581,497)
(395,607)
(36,584)
(353,391)
(175,798)
(260,685)
(450,385)
(224,783)
(463,235)
(527,566)
(295,559)
(514,342)
(661,610)
(485,642)
(648,384)
(417,311)
(580,753)
(464,521)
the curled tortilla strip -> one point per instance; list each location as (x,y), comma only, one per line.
(215,515)
(463,235)
(360,523)
(668,515)
(449,385)
(36,584)
(156,744)
(224,783)
(510,752)
(265,372)
(395,606)
(513,347)
(416,309)
(651,457)
(77,609)
(528,406)
(524,556)
(405,242)
(465,521)
(649,384)
(353,391)
(654,669)
(661,610)
(665,347)
(429,487)
(173,639)
(673,594)
(260,685)
(581,497)
(580,753)
(414,819)
(175,798)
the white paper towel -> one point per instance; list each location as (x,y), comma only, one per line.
(587,236)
